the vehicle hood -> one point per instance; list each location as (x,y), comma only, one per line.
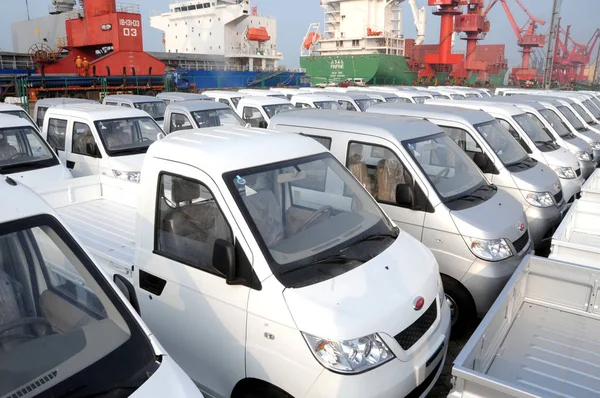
(377,296)
(562,158)
(127,163)
(589,136)
(47,175)
(169,380)
(537,179)
(499,217)
(577,144)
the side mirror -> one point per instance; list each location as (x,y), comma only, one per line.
(405,196)
(92,150)
(160,136)
(263,124)
(224,259)
(128,291)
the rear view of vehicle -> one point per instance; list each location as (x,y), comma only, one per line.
(64,329)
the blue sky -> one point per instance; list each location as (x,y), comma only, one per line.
(294,16)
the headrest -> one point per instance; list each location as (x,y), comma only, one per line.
(184,190)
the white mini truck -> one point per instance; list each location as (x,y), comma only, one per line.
(65,327)
(258,277)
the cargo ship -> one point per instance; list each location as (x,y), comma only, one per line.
(361,39)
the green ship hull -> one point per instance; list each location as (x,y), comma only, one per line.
(373,68)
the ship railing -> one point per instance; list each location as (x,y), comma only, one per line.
(130,8)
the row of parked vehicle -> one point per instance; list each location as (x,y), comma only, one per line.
(338,247)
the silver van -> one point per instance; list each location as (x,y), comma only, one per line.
(547,113)
(529,131)
(433,191)
(502,159)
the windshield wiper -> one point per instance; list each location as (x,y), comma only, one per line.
(394,234)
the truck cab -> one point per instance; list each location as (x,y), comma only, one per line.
(257,111)
(318,101)
(247,254)
(170,97)
(529,131)
(432,190)
(99,139)
(42,105)
(189,115)
(502,159)
(153,106)
(25,156)
(66,327)
(227,97)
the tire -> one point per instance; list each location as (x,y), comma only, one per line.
(261,390)
(462,307)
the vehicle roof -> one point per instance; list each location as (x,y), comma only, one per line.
(479,104)
(60,101)
(286,89)
(450,113)
(224,93)
(196,105)
(258,92)
(525,101)
(183,96)
(23,202)
(132,98)
(260,100)
(354,95)
(312,97)
(7,121)
(382,94)
(95,111)
(385,126)
(244,147)
(10,107)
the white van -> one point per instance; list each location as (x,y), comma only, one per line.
(254,92)
(41,106)
(231,98)
(153,106)
(257,111)
(99,139)
(67,328)
(318,101)
(25,156)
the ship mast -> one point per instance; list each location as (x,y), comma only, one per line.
(27,7)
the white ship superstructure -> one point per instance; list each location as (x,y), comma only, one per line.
(229,28)
(357,27)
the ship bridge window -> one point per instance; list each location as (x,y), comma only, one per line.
(206,5)
(184,8)
(177,9)
(199,7)
(192,7)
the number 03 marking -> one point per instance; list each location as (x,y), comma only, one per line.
(130,32)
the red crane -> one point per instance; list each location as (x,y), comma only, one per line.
(580,55)
(526,39)
(474,25)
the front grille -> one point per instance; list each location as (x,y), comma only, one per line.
(558,197)
(409,336)
(522,242)
(578,172)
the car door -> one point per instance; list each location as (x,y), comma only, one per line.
(186,302)
(84,154)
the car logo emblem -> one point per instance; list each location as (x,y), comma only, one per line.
(521,227)
(418,303)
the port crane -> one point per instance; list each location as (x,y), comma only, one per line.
(420,17)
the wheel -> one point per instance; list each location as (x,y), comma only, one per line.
(462,308)
(263,391)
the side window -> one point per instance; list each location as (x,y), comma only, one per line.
(302,106)
(464,140)
(180,122)
(111,103)
(126,105)
(325,141)
(253,116)
(83,140)
(514,133)
(346,105)
(40,116)
(189,222)
(57,133)
(405,100)
(225,101)
(378,169)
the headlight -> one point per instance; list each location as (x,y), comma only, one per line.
(132,176)
(539,199)
(582,155)
(350,356)
(490,250)
(565,172)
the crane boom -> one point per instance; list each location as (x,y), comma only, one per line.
(420,17)
(534,19)
(489,7)
(511,19)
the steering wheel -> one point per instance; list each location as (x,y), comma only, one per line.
(441,174)
(18,155)
(315,216)
(25,322)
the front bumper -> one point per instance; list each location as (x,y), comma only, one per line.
(396,378)
(571,187)
(543,222)
(485,280)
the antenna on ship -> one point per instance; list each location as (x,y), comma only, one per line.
(27,7)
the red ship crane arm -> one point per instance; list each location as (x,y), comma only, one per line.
(489,7)
(593,41)
(511,19)
(531,17)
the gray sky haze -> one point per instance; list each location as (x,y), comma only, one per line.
(294,17)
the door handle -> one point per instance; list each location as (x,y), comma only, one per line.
(70,164)
(152,283)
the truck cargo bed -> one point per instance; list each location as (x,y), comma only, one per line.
(591,188)
(541,338)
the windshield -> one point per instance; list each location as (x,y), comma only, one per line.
(595,100)
(303,211)
(592,108)
(156,109)
(571,117)
(327,105)
(556,122)
(448,168)
(273,110)
(420,100)
(502,142)
(363,104)
(217,117)
(534,128)
(393,99)
(457,96)
(127,136)
(62,327)
(282,96)
(21,114)
(439,96)
(472,95)
(584,115)
(22,149)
